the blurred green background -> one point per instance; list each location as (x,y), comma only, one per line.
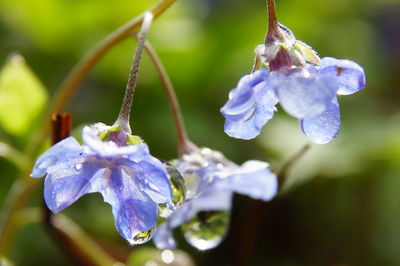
(341,203)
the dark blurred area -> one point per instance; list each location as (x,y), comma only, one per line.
(341,203)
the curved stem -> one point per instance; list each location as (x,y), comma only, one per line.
(273,25)
(78,240)
(184,144)
(282,173)
(70,84)
(124,114)
(82,68)
(73,234)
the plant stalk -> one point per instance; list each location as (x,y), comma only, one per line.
(273,25)
(124,114)
(185,146)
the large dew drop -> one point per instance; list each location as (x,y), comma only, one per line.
(207,229)
(178,188)
(142,237)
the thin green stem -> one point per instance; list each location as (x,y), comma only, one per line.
(73,235)
(184,144)
(71,232)
(19,193)
(282,173)
(124,113)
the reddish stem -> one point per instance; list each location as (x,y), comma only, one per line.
(273,25)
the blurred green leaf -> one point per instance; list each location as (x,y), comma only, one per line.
(22,96)
(13,155)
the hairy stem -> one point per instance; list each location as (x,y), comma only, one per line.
(124,114)
(184,144)
(273,25)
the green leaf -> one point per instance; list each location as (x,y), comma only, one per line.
(22,96)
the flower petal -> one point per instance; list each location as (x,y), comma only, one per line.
(109,148)
(253,179)
(242,101)
(264,110)
(351,75)
(163,238)
(64,150)
(64,185)
(304,92)
(134,212)
(323,128)
(217,197)
(152,178)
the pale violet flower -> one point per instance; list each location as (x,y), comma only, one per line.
(211,180)
(290,72)
(308,93)
(131,180)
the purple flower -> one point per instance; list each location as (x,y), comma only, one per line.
(307,92)
(211,180)
(131,180)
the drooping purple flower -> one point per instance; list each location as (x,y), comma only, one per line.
(131,180)
(211,180)
(307,93)
(290,72)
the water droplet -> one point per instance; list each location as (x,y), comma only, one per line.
(142,237)
(164,211)
(178,188)
(193,182)
(78,166)
(207,229)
